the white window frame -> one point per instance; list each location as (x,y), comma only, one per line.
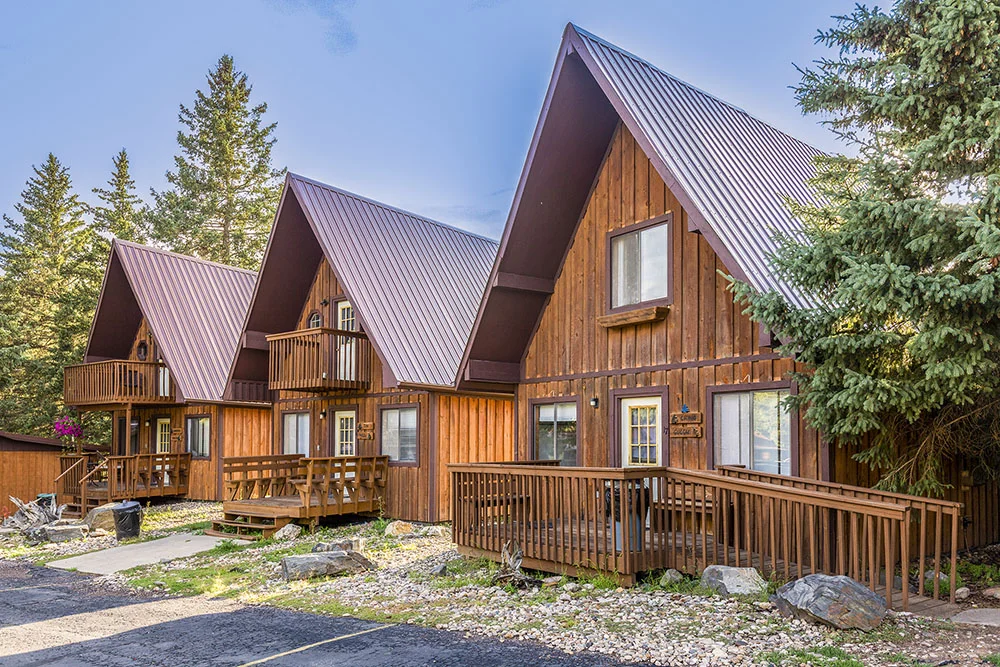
(300,417)
(389,434)
(345,433)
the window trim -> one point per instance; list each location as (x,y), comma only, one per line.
(187,446)
(793,417)
(154,433)
(532,423)
(615,419)
(312,313)
(378,432)
(281,429)
(666,219)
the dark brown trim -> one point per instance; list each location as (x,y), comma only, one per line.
(432,453)
(615,418)
(709,411)
(330,431)
(700,363)
(477,370)
(354,397)
(520,283)
(220,417)
(281,427)
(187,448)
(378,432)
(666,219)
(153,433)
(532,422)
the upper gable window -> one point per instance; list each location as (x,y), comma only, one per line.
(315,320)
(640,263)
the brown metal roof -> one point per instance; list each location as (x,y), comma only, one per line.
(31,439)
(195,309)
(730,171)
(415,283)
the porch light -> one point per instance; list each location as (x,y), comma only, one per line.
(594,402)
(322,414)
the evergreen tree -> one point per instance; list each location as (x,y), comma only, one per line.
(224,191)
(902,258)
(121,213)
(47,297)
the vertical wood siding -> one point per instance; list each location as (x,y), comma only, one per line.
(704,332)
(25,473)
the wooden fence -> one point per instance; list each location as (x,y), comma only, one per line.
(320,359)
(631,520)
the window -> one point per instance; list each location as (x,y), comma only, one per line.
(162,435)
(399,434)
(142,350)
(345,433)
(753,429)
(295,433)
(315,320)
(345,316)
(555,433)
(196,435)
(640,266)
(163,381)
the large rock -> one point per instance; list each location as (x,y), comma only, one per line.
(65,533)
(437,531)
(727,580)
(101,518)
(671,577)
(324,564)
(399,528)
(287,532)
(837,601)
(338,545)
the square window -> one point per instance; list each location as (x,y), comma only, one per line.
(640,266)
(399,434)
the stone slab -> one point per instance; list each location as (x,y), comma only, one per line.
(116,559)
(978,617)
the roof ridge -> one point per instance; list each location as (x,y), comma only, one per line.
(389,207)
(177,255)
(589,35)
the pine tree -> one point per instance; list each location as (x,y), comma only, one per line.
(902,258)
(47,297)
(121,213)
(224,190)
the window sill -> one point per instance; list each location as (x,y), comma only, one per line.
(635,316)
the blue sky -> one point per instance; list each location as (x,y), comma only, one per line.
(426,105)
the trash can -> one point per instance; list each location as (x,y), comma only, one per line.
(127,518)
(46,499)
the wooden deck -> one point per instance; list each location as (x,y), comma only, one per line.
(118,382)
(629,521)
(89,480)
(264,493)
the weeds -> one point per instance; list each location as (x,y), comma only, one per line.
(821,656)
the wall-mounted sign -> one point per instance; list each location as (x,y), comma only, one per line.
(366,435)
(366,426)
(686,431)
(685,417)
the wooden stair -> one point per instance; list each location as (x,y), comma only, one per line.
(244,526)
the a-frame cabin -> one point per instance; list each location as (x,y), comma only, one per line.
(608,315)
(356,329)
(157,358)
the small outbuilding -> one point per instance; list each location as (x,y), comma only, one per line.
(29,465)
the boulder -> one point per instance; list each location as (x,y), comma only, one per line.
(837,601)
(288,532)
(437,531)
(962,593)
(65,533)
(325,564)
(571,587)
(339,545)
(399,528)
(671,577)
(440,570)
(101,518)
(727,580)
(992,592)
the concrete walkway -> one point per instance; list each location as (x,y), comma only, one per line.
(116,559)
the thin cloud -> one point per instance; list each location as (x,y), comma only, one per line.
(340,35)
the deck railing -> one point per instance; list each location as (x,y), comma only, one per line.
(631,520)
(934,523)
(250,477)
(118,381)
(320,359)
(88,477)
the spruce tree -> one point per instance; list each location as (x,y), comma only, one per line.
(223,189)
(902,257)
(47,297)
(120,212)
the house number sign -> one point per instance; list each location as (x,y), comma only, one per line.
(366,431)
(685,417)
(686,431)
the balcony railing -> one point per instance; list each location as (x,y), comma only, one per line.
(118,381)
(320,359)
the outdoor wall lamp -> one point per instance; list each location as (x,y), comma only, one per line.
(594,402)
(322,414)
(324,302)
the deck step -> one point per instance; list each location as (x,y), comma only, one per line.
(245,527)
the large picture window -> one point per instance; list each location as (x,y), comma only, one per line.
(399,434)
(196,435)
(555,433)
(640,266)
(753,429)
(295,433)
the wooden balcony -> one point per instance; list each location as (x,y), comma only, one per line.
(89,480)
(626,521)
(319,360)
(117,382)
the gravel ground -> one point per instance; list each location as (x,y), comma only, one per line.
(641,625)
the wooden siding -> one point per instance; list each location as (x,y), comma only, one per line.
(470,429)
(25,472)
(144,334)
(703,341)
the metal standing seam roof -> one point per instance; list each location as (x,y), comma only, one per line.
(415,283)
(195,309)
(736,170)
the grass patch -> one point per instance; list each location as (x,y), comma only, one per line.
(903,659)
(992,659)
(822,656)
(601,581)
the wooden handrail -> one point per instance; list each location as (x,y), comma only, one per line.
(320,359)
(67,470)
(118,381)
(302,333)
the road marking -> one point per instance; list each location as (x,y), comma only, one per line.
(311,646)
(25,588)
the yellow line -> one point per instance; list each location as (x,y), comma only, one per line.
(310,646)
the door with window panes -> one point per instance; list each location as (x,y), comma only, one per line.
(346,345)
(345,433)
(642,431)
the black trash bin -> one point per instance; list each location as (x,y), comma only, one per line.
(127,518)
